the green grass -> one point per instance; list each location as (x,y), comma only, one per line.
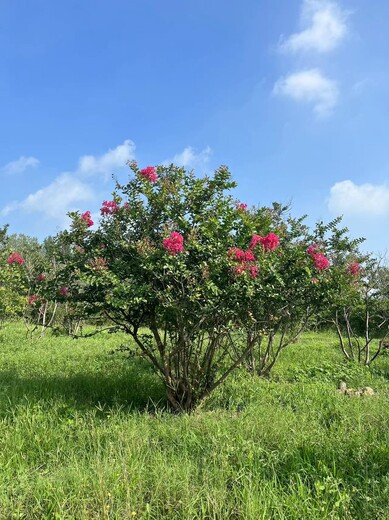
(81,437)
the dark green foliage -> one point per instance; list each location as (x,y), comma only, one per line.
(206,310)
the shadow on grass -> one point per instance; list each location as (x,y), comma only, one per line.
(133,389)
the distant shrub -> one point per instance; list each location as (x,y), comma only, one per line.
(361,317)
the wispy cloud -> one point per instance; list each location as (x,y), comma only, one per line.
(107,163)
(359,200)
(20,165)
(310,86)
(323,28)
(70,189)
(189,158)
(56,199)
(360,87)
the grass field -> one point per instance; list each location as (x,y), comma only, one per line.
(83,436)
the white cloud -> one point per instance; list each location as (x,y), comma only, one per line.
(310,86)
(324,24)
(188,158)
(361,86)
(20,165)
(363,200)
(108,162)
(56,199)
(70,190)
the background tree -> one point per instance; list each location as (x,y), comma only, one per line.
(13,280)
(361,318)
(299,278)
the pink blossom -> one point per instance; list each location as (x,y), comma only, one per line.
(87,218)
(240,255)
(149,174)
(270,242)
(15,258)
(314,280)
(244,260)
(249,256)
(109,207)
(312,249)
(234,253)
(254,241)
(254,271)
(32,299)
(174,243)
(320,261)
(241,207)
(64,291)
(353,268)
(40,277)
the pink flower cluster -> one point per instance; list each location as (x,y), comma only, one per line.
(149,174)
(320,261)
(312,249)
(241,207)
(254,241)
(268,242)
(353,268)
(63,291)
(244,260)
(15,258)
(254,270)
(109,207)
(239,255)
(32,299)
(40,277)
(87,218)
(174,243)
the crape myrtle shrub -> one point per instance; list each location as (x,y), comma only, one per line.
(28,284)
(199,281)
(13,280)
(47,303)
(361,314)
(307,276)
(27,257)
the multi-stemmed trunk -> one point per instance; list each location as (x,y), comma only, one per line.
(266,344)
(357,347)
(191,362)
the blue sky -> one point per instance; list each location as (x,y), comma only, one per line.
(291,94)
